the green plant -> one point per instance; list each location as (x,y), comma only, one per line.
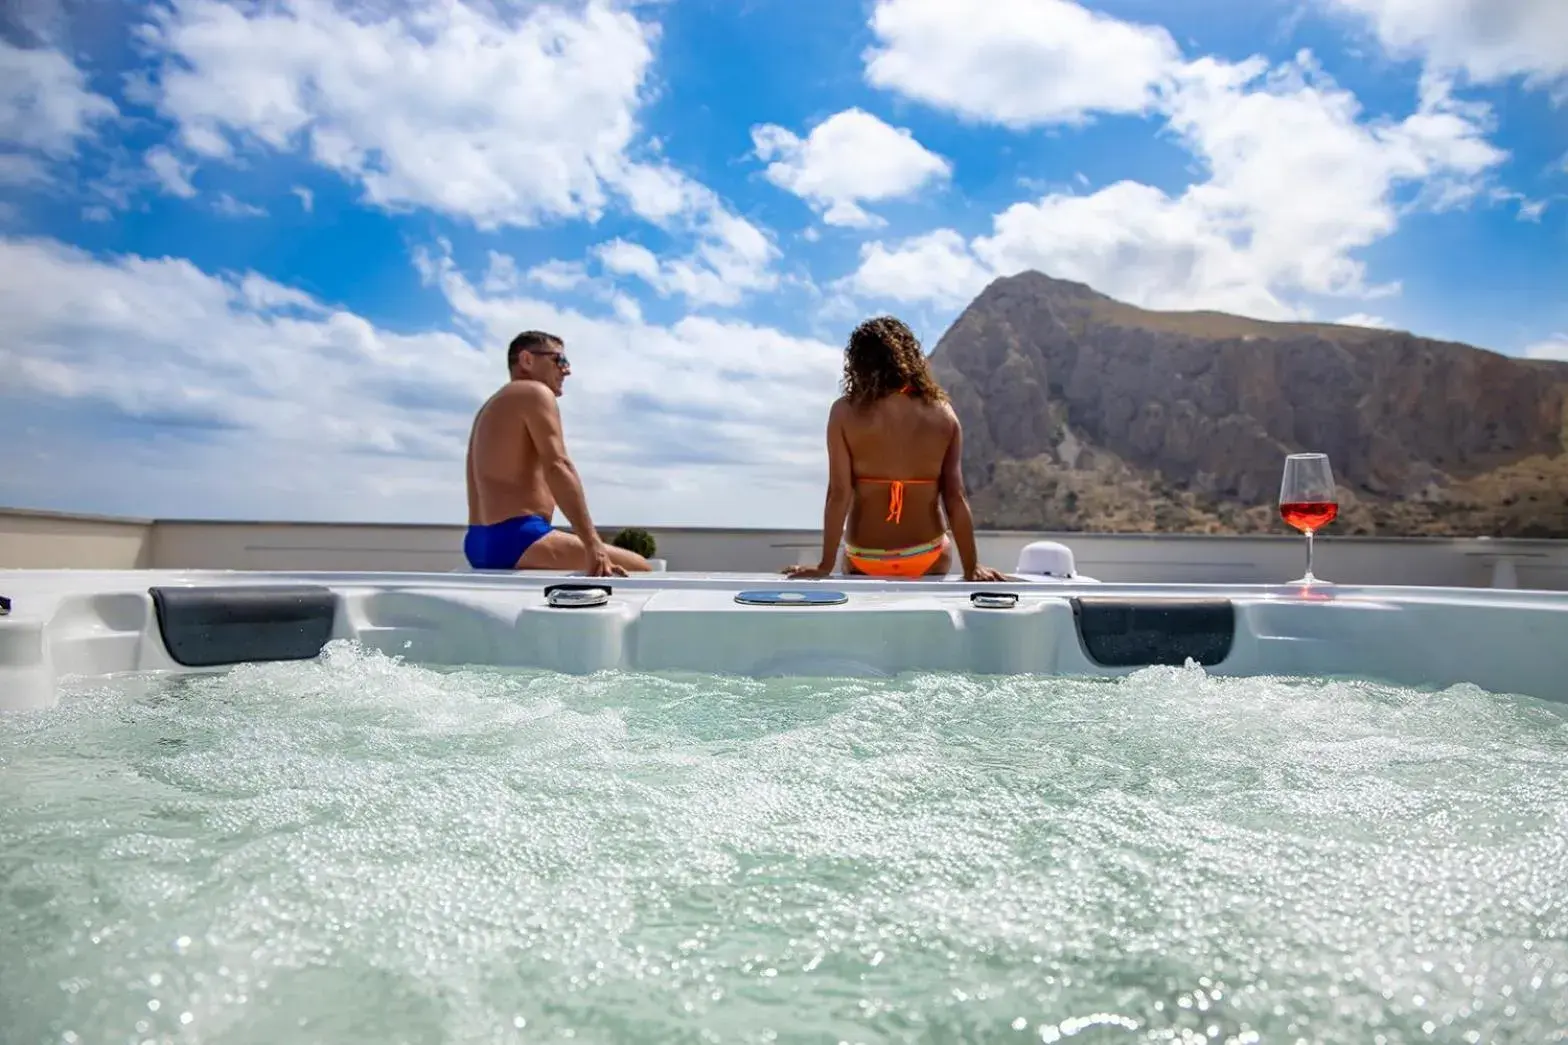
(636,539)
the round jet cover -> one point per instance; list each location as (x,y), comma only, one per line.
(791,598)
(570,598)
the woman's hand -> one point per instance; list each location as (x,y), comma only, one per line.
(799,572)
(984,573)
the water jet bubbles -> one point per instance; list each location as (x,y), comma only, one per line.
(724,832)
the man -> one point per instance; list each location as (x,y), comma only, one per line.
(518,471)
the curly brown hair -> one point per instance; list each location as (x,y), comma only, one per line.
(883,356)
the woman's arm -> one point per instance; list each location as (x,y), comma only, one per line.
(955,502)
(841,489)
(840,496)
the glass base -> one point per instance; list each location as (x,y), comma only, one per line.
(1308,579)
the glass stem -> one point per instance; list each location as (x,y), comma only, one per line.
(1309,556)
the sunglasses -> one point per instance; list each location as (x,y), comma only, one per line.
(559,357)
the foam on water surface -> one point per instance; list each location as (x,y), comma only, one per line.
(357,850)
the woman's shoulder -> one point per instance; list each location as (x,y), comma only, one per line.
(944,407)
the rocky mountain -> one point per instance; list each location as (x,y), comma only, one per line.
(1081,412)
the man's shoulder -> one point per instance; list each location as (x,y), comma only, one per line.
(525,394)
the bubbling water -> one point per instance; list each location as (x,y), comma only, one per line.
(358,850)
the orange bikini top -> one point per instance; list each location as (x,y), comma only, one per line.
(895,503)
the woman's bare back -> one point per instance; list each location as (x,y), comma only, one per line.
(903,438)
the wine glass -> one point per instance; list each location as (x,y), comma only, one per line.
(1307,500)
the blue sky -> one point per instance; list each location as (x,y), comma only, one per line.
(262,260)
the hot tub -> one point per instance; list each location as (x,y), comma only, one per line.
(87,623)
(337,807)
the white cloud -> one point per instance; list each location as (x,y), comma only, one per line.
(558,275)
(660,194)
(440,105)
(46,106)
(732,258)
(1294,165)
(848,159)
(1297,182)
(230,207)
(488,115)
(502,276)
(1362,319)
(263,295)
(172,174)
(1018,63)
(629,259)
(162,339)
(1554,347)
(236,395)
(937,267)
(307,199)
(1488,40)
(1135,243)
(18,169)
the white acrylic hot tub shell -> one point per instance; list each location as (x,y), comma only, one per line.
(88,623)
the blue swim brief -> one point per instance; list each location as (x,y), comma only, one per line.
(499,545)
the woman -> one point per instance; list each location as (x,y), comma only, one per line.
(894,445)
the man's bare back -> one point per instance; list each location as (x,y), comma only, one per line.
(519,472)
(505,471)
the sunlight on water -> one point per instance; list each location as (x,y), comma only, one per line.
(355,850)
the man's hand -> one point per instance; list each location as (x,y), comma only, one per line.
(598,562)
(984,573)
(808,572)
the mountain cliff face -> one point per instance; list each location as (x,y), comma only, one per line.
(1084,413)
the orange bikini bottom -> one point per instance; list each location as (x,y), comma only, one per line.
(915,561)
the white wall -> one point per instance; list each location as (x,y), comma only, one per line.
(304,546)
(44,540)
(50,541)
